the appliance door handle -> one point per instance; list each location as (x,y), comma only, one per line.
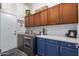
(27,38)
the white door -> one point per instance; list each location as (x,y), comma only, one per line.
(0,30)
(8,28)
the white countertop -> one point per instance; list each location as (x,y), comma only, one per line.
(60,38)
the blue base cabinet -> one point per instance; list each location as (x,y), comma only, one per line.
(51,50)
(66,51)
(48,47)
(41,46)
(52,47)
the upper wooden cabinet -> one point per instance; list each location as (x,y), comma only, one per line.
(26,21)
(68,13)
(43,17)
(36,19)
(65,13)
(54,14)
(31,20)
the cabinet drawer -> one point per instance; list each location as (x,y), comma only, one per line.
(52,41)
(67,44)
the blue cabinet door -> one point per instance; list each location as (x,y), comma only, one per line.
(66,51)
(51,50)
(41,46)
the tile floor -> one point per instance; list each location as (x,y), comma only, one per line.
(13,52)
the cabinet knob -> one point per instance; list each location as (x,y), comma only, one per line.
(40,39)
(69,45)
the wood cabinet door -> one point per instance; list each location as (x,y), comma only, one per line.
(43,17)
(31,20)
(36,19)
(26,21)
(54,14)
(68,13)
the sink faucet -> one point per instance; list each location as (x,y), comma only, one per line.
(44,31)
